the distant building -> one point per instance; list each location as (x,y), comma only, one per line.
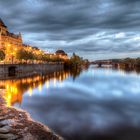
(61,54)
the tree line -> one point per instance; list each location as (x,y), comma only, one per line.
(74,61)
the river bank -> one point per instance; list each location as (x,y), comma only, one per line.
(11,71)
(16,124)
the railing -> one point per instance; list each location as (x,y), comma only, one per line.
(8,63)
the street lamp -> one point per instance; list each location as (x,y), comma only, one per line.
(12,57)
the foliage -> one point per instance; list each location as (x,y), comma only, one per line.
(129,62)
(75,62)
(46,58)
(56,59)
(22,54)
(2,55)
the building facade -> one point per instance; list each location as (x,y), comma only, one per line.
(9,42)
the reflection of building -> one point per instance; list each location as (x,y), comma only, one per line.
(61,54)
(14,89)
(9,42)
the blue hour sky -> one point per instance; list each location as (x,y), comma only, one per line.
(94,29)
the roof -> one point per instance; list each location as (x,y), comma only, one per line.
(60,52)
(2,23)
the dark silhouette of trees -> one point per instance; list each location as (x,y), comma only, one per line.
(2,55)
(22,54)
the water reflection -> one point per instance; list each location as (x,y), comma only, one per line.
(14,89)
(129,70)
(99,104)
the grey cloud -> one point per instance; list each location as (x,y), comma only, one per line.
(71,21)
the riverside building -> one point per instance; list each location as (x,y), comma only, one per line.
(9,42)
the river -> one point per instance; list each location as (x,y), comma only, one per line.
(95,103)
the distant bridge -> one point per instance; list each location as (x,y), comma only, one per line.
(100,63)
(115,64)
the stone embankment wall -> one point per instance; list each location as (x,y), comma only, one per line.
(22,70)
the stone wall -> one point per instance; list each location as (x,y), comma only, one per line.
(23,70)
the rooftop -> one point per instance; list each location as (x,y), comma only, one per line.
(60,52)
(2,23)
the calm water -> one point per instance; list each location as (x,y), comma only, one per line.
(94,104)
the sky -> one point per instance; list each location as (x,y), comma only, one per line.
(94,29)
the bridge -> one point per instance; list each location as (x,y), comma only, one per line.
(100,63)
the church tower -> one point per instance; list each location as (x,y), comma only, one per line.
(20,36)
(3,27)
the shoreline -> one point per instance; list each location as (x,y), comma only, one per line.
(16,124)
(10,71)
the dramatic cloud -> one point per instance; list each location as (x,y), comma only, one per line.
(92,28)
